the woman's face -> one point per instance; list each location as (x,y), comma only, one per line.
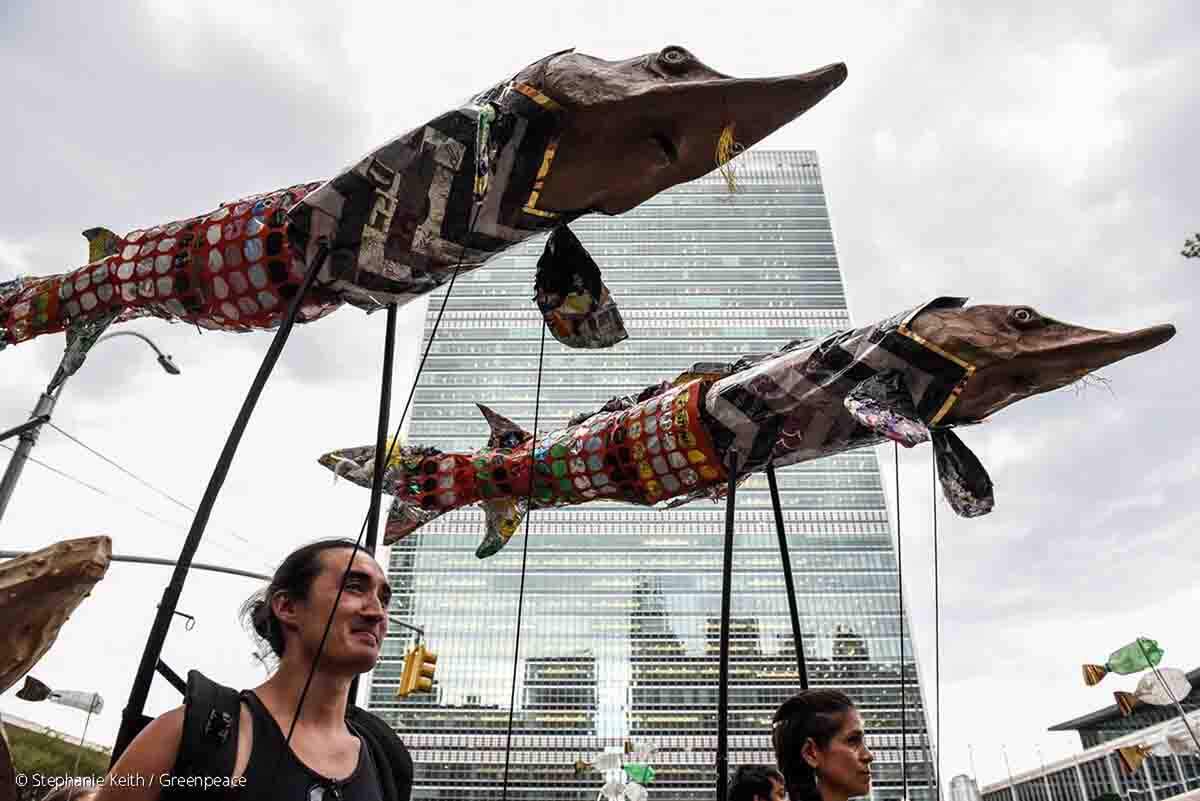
(844,767)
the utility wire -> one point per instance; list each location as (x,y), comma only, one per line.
(937,634)
(903,683)
(104,493)
(137,478)
(249,547)
(512,697)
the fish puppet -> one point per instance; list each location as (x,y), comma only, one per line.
(910,378)
(1161,687)
(38,592)
(35,690)
(1135,657)
(1178,738)
(566,136)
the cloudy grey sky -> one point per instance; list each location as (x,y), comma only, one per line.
(1014,152)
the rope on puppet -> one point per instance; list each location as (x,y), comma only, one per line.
(727,150)
(388,457)
(900,582)
(512,698)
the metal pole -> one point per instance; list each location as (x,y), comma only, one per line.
(151,560)
(381,448)
(16,431)
(788,581)
(131,716)
(43,410)
(723,674)
(381,443)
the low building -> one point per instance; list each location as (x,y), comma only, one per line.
(1096,772)
(964,788)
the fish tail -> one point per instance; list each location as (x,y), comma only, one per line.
(1131,758)
(30,307)
(426,483)
(1126,702)
(1092,674)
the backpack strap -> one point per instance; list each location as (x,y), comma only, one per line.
(208,746)
(389,752)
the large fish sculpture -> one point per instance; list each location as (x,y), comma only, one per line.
(38,592)
(568,135)
(910,378)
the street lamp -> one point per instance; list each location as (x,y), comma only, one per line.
(28,431)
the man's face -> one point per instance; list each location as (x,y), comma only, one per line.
(845,765)
(360,623)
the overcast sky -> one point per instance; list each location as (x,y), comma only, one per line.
(1014,152)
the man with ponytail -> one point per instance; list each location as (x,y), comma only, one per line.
(328,598)
(820,747)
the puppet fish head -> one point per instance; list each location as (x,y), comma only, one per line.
(1015,352)
(634,128)
(38,592)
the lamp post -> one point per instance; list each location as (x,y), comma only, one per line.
(42,412)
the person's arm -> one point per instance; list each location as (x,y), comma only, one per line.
(152,753)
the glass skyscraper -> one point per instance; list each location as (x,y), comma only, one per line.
(620,628)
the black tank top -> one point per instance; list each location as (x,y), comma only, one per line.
(275,772)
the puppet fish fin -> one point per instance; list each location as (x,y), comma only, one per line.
(965,482)
(82,334)
(102,243)
(505,433)
(405,517)
(884,404)
(572,297)
(503,516)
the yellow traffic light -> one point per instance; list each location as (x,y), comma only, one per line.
(419,666)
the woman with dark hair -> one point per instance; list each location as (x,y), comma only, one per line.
(820,747)
(251,745)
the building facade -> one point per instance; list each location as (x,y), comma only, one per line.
(963,788)
(619,624)
(1097,770)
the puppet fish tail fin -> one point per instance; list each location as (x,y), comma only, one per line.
(426,483)
(1092,674)
(30,307)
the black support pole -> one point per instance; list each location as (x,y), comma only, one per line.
(723,675)
(788,581)
(381,443)
(381,447)
(131,718)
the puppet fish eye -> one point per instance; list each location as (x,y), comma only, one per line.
(1023,315)
(673,57)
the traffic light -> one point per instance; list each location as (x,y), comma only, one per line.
(419,665)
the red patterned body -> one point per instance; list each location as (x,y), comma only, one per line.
(653,451)
(234,269)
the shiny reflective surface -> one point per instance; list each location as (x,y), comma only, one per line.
(620,626)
